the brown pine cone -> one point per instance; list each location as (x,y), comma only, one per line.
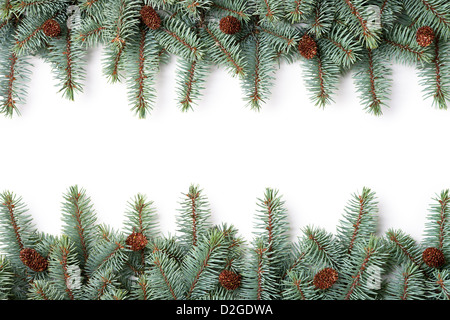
(33,260)
(230,280)
(51,28)
(150,17)
(325,278)
(230,25)
(307,47)
(433,257)
(425,36)
(136,241)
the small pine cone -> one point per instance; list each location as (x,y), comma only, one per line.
(307,47)
(433,257)
(150,17)
(325,278)
(51,28)
(230,280)
(33,260)
(230,25)
(425,36)
(136,241)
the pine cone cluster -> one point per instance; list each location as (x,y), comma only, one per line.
(230,25)
(433,257)
(51,28)
(325,278)
(307,47)
(230,280)
(425,36)
(33,260)
(136,241)
(150,17)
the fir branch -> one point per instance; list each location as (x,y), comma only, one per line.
(9,103)
(298,10)
(134,266)
(259,281)
(94,8)
(356,16)
(437,228)
(62,270)
(236,8)
(439,285)
(91,33)
(172,271)
(164,4)
(170,247)
(121,20)
(115,294)
(259,70)
(400,44)
(190,82)
(271,225)
(100,284)
(6,28)
(141,217)
(93,30)
(433,13)
(223,50)
(404,249)
(44,290)
(6,9)
(37,7)
(296,262)
(389,12)
(166,277)
(408,284)
(235,248)
(16,228)
(113,63)
(361,269)
(359,220)
(6,278)
(143,66)
(321,78)
(142,289)
(67,58)
(298,286)
(15,71)
(195,7)
(177,37)
(30,36)
(322,17)
(79,222)
(435,76)
(121,24)
(193,218)
(280,36)
(269,10)
(202,265)
(373,81)
(108,254)
(320,249)
(190,29)
(221,293)
(341,47)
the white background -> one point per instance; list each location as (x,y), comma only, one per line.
(316,158)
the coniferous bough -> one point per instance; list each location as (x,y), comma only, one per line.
(91,261)
(249,38)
